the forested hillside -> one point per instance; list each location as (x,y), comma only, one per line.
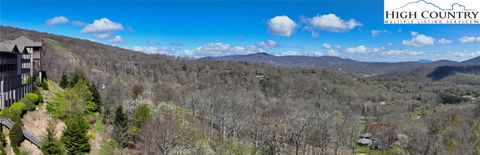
(158,103)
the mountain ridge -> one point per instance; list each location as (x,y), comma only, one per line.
(345,65)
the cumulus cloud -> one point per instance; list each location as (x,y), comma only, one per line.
(267,44)
(469,39)
(444,41)
(419,40)
(333,23)
(220,49)
(101,26)
(333,52)
(57,20)
(281,26)
(358,49)
(291,53)
(326,46)
(153,50)
(116,40)
(376,33)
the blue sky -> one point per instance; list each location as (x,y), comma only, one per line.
(350,29)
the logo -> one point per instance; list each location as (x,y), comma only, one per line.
(432,12)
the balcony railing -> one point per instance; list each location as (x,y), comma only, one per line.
(8,61)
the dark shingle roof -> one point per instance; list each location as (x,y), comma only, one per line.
(20,43)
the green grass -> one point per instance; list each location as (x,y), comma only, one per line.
(391,151)
(62,51)
(99,126)
(106,147)
(55,97)
(415,114)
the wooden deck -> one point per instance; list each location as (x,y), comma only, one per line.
(7,122)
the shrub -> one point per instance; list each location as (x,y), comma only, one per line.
(45,85)
(31,97)
(30,100)
(17,108)
(91,135)
(39,94)
(92,107)
(30,106)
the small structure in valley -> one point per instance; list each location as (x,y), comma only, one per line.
(365,139)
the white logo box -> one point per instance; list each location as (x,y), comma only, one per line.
(431,11)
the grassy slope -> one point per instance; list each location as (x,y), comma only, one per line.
(96,133)
(62,51)
(54,98)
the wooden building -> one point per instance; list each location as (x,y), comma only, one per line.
(19,63)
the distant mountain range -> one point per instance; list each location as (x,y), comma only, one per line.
(347,66)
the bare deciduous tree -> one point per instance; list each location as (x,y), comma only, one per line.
(159,136)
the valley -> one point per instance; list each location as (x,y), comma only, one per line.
(253,104)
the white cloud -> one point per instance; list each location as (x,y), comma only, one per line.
(469,39)
(101,26)
(358,49)
(117,39)
(291,53)
(419,40)
(402,53)
(281,25)
(376,33)
(267,44)
(332,22)
(220,49)
(153,50)
(57,20)
(444,41)
(465,54)
(333,52)
(327,46)
(316,53)
(78,23)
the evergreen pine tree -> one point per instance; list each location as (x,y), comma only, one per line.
(16,134)
(141,115)
(120,127)
(74,136)
(50,145)
(96,96)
